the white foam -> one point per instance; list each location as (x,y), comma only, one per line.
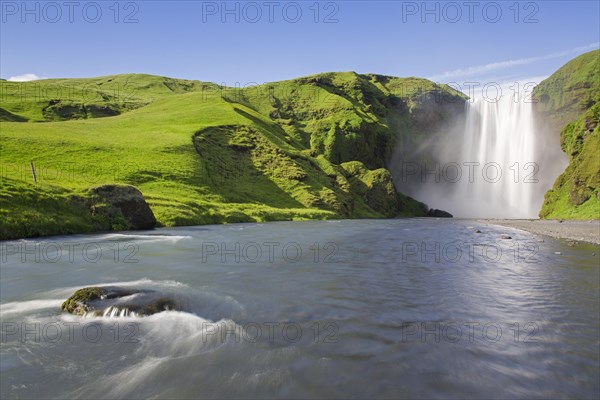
(153,238)
(144,282)
(23,307)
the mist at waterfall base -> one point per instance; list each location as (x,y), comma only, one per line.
(497,160)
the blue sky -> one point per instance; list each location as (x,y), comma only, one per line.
(501,41)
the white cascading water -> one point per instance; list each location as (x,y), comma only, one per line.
(501,137)
(497,165)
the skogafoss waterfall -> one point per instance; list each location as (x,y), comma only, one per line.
(500,139)
(493,163)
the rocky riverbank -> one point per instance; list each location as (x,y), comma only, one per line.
(580,231)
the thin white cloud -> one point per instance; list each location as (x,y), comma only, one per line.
(518,86)
(25,78)
(482,69)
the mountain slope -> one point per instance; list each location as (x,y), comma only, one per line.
(313,147)
(571,90)
(572,96)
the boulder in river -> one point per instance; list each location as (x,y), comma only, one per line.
(123,206)
(438,213)
(118,301)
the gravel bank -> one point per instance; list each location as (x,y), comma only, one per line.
(581,231)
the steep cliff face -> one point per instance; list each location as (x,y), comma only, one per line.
(576,192)
(571,96)
(313,147)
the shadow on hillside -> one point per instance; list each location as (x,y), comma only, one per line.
(226,161)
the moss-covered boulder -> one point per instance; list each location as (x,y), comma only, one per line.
(122,207)
(80,302)
(118,301)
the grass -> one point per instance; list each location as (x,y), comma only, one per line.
(201,153)
(571,96)
(39,210)
(571,90)
(576,192)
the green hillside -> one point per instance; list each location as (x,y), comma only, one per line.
(571,96)
(571,90)
(313,147)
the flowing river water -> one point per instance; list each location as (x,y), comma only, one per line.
(409,308)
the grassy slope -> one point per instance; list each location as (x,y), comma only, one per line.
(201,153)
(576,192)
(65,99)
(571,96)
(571,90)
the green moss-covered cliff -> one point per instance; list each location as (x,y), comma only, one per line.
(571,98)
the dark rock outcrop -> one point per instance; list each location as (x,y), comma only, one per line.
(439,213)
(118,301)
(377,189)
(123,206)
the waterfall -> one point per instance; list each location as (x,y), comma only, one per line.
(493,163)
(500,138)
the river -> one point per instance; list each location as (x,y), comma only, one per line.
(407,308)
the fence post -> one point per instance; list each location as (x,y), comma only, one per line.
(33,172)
